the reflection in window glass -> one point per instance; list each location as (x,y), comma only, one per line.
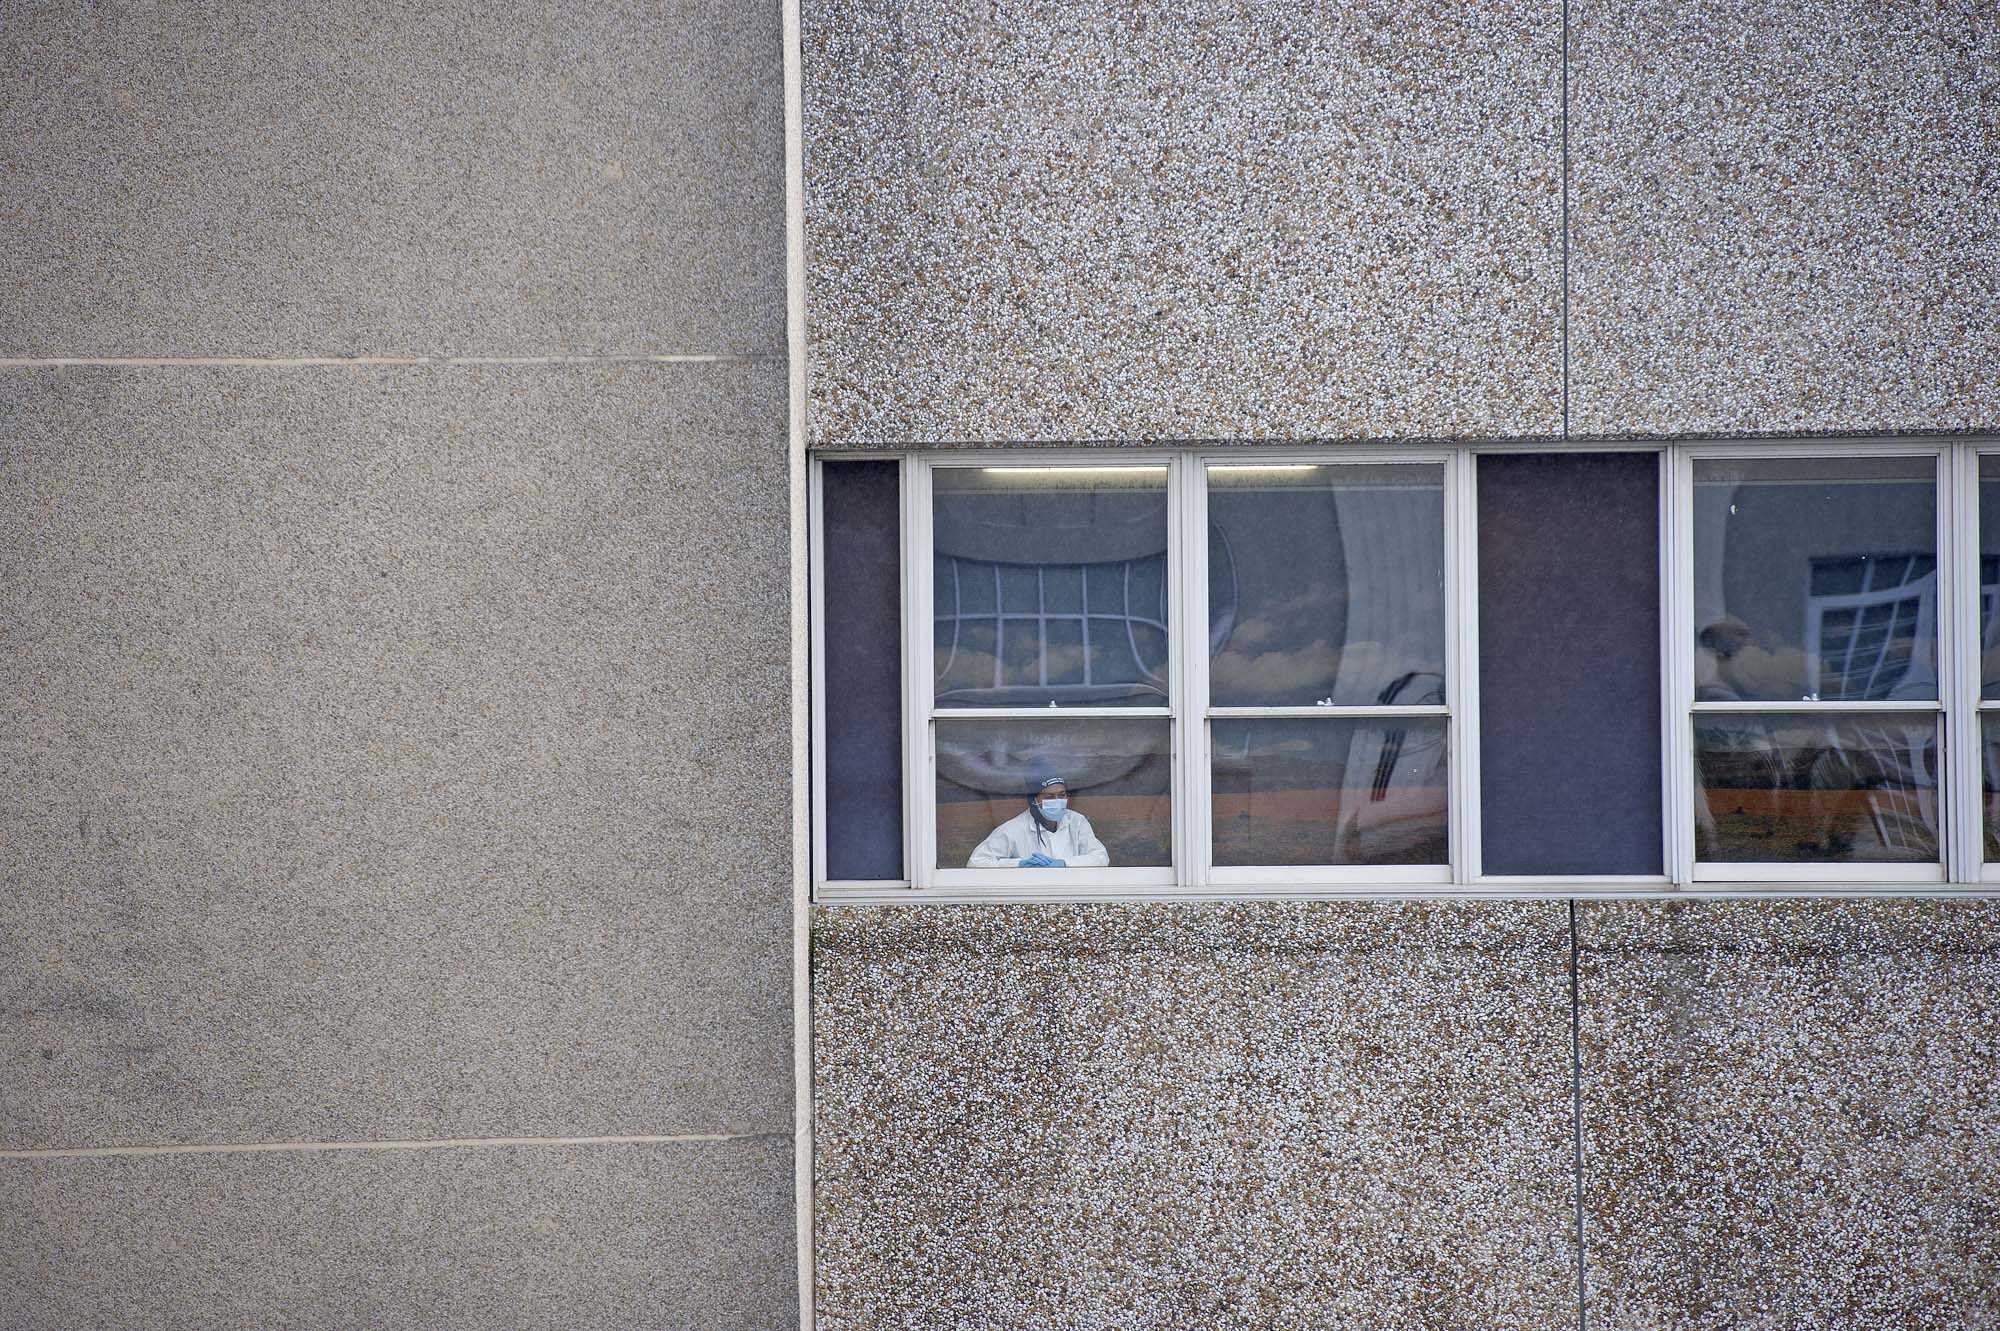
(1050,586)
(1989,762)
(1989,575)
(1815,578)
(1118,772)
(1335,791)
(1333,580)
(1780,788)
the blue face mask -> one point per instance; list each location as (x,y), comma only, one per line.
(1053,810)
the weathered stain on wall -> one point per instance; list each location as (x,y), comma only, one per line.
(1216,1116)
(1791,1113)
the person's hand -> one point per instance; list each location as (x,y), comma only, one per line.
(1051,862)
(1036,861)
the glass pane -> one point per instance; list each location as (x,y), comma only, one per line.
(1062,590)
(1815,578)
(1778,789)
(1325,583)
(1989,575)
(1021,657)
(1063,648)
(1989,759)
(1028,543)
(1020,590)
(1117,771)
(968,654)
(1330,792)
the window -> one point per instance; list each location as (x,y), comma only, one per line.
(1983,657)
(1241,671)
(1050,654)
(1327,703)
(1816,640)
(1359,670)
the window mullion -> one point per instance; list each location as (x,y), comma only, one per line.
(1462,663)
(1677,677)
(1188,592)
(919,760)
(816,660)
(1959,661)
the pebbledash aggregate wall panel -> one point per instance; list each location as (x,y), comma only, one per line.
(1232,1117)
(1791,1113)
(1034,224)
(1781,217)
(1056,221)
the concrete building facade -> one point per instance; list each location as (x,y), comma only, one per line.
(416,907)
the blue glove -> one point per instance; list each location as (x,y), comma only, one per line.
(1036,861)
(1050,862)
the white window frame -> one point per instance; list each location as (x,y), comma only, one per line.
(1681,660)
(921,713)
(1959,707)
(1197,811)
(1968,768)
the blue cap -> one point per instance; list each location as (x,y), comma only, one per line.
(1048,781)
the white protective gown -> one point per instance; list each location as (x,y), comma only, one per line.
(1023,835)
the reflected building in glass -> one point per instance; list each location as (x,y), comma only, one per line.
(1815,589)
(1337,574)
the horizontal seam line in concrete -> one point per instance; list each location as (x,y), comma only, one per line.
(440,1143)
(291,362)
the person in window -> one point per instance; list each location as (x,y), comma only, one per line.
(1045,835)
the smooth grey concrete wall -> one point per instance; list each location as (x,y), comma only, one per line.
(394,752)
(603,1238)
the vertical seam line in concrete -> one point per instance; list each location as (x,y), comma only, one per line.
(1576,1098)
(1565,219)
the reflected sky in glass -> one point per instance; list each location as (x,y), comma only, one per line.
(1815,578)
(1333,577)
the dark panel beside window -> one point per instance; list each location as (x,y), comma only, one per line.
(1569,663)
(863,697)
